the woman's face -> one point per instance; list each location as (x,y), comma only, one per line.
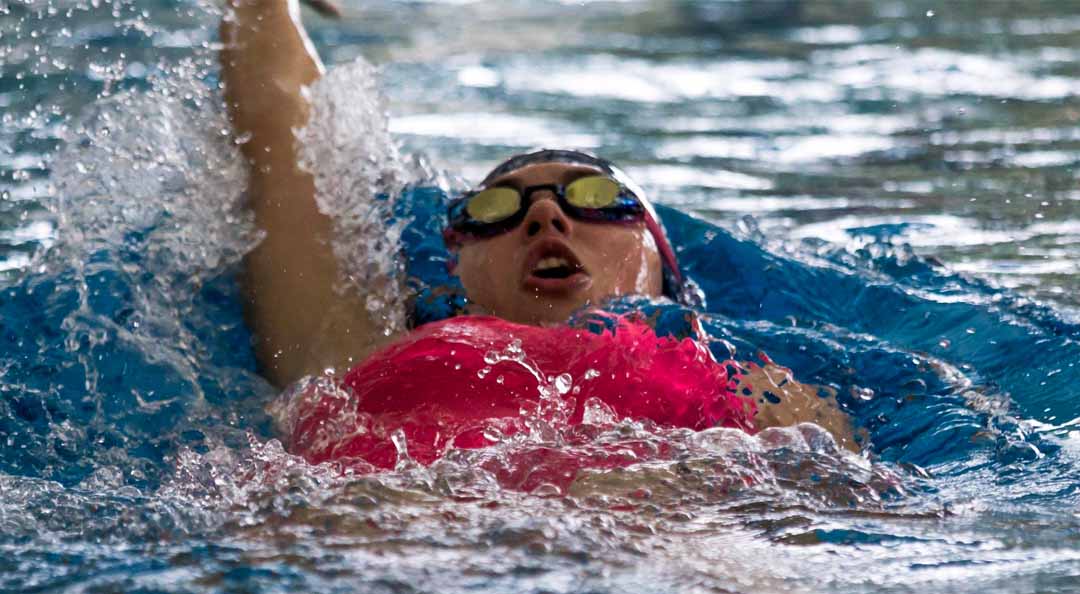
(551,265)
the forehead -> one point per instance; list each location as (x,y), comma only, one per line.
(544,173)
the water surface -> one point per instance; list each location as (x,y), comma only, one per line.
(885,198)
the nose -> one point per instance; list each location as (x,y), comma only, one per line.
(545,215)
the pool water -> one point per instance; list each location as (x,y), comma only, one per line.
(882,196)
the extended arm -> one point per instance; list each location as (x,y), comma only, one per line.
(302,326)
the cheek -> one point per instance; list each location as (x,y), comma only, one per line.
(471,266)
(649,278)
(629,262)
(479,265)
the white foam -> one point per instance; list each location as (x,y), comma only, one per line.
(358,172)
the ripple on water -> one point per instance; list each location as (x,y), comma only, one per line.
(127,390)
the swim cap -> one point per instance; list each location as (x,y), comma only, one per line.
(673,278)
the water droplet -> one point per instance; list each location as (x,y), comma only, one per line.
(500,380)
(483,372)
(864,394)
(401,444)
(563,383)
(591,374)
(598,413)
(930,14)
(514,352)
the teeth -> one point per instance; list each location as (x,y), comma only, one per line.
(547,263)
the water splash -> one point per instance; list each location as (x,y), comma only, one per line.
(152,170)
(347,147)
(104,400)
(548,418)
(136,294)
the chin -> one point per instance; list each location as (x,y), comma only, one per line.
(549,311)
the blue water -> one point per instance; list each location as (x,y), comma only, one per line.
(135,451)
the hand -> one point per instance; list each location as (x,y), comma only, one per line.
(781,402)
(325,8)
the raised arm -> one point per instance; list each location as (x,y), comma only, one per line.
(302,326)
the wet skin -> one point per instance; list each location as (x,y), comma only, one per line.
(506,274)
(610,259)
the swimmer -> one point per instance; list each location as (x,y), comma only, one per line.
(543,236)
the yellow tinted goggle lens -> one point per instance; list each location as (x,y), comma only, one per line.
(493,204)
(592,192)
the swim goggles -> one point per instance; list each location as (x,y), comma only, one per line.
(496,210)
(590,201)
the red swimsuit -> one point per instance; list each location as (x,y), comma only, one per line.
(461,381)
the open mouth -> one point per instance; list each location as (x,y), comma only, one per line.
(553,267)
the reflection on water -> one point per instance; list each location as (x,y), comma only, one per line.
(905,110)
(134,451)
